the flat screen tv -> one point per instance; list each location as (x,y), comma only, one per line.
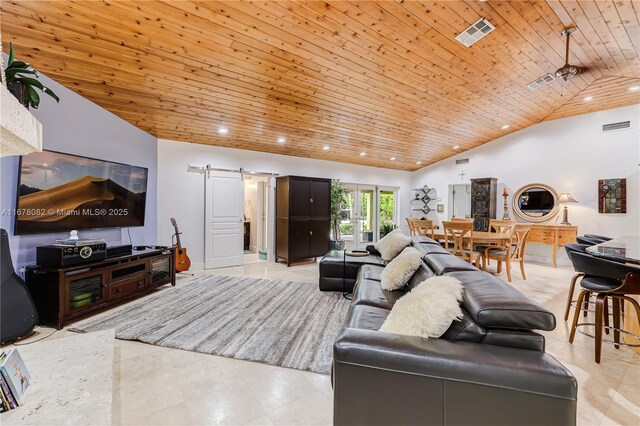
(60,192)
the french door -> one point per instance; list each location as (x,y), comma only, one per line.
(368,212)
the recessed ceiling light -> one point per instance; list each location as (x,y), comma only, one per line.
(362,154)
(505,127)
(588,98)
(456,147)
(392,158)
(634,88)
(222,130)
(325,148)
(282,139)
(418,162)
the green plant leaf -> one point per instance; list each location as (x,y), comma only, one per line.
(30,82)
(34,98)
(11,56)
(14,73)
(18,64)
(50,93)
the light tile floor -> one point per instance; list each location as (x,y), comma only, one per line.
(155,385)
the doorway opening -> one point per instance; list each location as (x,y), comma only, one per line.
(256,233)
(460,201)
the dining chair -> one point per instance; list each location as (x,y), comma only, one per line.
(462,219)
(497,225)
(423,227)
(457,232)
(511,252)
(607,280)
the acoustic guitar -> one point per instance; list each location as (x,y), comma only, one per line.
(182,261)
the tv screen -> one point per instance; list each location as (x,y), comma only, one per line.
(536,201)
(60,192)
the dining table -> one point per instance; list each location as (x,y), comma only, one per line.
(626,250)
(482,237)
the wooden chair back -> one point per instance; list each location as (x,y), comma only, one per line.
(502,226)
(456,231)
(519,236)
(461,219)
(422,227)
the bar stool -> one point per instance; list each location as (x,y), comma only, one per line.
(606,279)
(598,237)
(580,248)
(583,239)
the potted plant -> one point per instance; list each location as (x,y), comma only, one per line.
(23,87)
(338,201)
(386,227)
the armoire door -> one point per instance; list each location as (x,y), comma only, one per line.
(320,198)
(298,239)
(299,196)
(318,237)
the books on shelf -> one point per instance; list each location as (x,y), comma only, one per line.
(15,380)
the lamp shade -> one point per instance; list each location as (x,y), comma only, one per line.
(565,197)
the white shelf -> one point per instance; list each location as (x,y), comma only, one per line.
(21,132)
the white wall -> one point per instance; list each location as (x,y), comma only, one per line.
(78,126)
(570,154)
(182,193)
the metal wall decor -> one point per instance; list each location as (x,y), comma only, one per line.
(612,196)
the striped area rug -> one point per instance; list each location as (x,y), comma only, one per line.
(281,323)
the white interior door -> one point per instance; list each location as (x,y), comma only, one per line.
(224,219)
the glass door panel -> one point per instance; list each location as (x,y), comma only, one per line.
(367,218)
(347,217)
(387,210)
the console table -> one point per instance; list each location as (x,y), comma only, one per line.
(554,235)
(67,293)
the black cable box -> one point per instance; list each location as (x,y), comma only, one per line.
(122,250)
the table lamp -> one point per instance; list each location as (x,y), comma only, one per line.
(566,198)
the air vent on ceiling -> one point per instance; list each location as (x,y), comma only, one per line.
(545,79)
(616,126)
(462,161)
(475,32)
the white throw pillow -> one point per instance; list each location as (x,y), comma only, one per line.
(400,270)
(392,244)
(428,310)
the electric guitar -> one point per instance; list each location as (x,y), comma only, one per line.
(182,261)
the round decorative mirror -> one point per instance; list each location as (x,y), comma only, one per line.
(535,202)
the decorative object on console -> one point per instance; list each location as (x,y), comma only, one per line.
(392,244)
(505,194)
(400,270)
(564,199)
(612,196)
(483,202)
(535,202)
(428,310)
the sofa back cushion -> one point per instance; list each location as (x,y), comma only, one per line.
(465,330)
(400,270)
(492,303)
(429,248)
(442,263)
(419,276)
(419,239)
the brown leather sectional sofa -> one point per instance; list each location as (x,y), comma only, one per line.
(488,369)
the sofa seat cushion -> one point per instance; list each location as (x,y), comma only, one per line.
(443,263)
(492,303)
(366,317)
(369,292)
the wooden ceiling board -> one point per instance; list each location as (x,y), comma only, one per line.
(386,78)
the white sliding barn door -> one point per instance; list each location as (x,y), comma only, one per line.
(224,219)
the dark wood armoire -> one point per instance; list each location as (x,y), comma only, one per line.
(483,202)
(303,206)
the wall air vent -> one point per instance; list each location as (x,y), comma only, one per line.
(475,32)
(616,126)
(462,161)
(545,79)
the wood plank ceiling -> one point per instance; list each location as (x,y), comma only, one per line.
(370,80)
